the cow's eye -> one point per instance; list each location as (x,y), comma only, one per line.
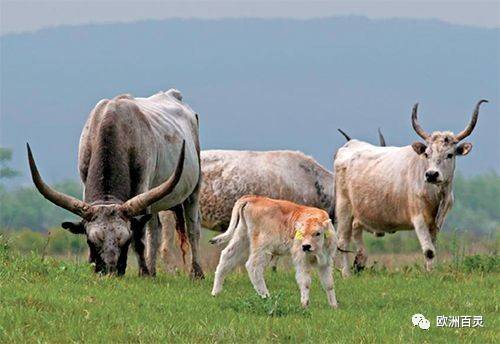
(426,155)
(449,156)
(317,234)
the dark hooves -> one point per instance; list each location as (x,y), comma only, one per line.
(357,265)
(197,272)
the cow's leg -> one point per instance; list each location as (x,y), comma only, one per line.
(361,258)
(344,225)
(303,277)
(434,231)
(424,236)
(168,223)
(234,253)
(139,248)
(153,240)
(274,262)
(326,278)
(256,265)
(193,226)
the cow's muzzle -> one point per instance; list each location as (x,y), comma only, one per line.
(432,177)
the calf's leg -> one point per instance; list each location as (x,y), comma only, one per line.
(326,278)
(234,254)
(303,277)
(256,265)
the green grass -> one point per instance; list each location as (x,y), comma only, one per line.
(59,301)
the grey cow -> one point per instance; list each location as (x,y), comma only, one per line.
(137,156)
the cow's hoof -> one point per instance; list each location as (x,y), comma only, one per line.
(143,272)
(359,263)
(429,254)
(197,272)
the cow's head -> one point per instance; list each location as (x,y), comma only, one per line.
(314,234)
(441,148)
(109,227)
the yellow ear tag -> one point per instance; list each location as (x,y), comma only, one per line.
(328,234)
(298,235)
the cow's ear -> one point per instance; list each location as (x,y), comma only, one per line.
(418,147)
(464,148)
(74,227)
(138,222)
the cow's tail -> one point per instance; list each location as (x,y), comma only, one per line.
(233,224)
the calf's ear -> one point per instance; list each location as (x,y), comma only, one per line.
(418,147)
(464,148)
(74,227)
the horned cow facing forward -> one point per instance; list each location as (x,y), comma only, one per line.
(262,227)
(387,189)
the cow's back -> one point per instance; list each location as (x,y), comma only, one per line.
(228,175)
(139,141)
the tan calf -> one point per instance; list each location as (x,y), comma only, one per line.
(261,228)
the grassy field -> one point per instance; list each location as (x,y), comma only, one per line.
(59,301)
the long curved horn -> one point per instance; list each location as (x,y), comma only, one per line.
(468,130)
(67,202)
(381,138)
(137,204)
(418,129)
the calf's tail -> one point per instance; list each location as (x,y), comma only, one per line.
(235,220)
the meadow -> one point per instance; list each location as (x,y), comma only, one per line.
(46,299)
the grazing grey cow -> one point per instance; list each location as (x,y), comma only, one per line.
(387,189)
(137,156)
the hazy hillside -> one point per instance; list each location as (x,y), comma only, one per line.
(257,84)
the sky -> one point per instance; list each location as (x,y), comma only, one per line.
(25,16)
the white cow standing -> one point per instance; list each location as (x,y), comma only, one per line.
(388,189)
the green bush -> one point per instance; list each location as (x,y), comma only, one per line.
(483,263)
(56,241)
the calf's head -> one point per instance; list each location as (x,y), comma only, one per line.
(109,227)
(441,147)
(313,234)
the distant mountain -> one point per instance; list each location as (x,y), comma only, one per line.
(257,84)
